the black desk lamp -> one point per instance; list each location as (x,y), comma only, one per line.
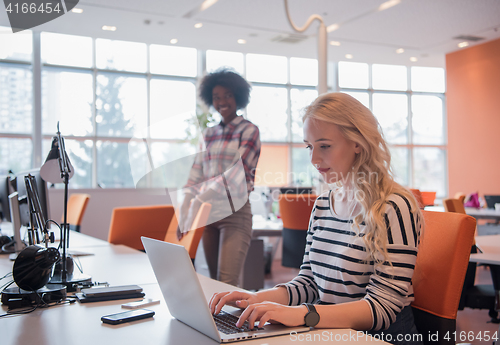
(56,169)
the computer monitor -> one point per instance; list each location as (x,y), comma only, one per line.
(16,225)
(296,190)
(491,200)
(4,198)
(43,195)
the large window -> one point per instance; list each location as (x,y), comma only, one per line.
(125,114)
(409,106)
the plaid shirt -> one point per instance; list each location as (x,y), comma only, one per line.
(219,167)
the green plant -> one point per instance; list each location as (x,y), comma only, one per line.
(197,125)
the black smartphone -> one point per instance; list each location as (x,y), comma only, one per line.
(115,319)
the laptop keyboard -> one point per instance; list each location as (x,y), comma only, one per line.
(226,323)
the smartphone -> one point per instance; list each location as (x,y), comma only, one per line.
(141,304)
(133,315)
(111,291)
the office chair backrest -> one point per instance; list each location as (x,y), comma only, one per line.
(128,224)
(77,204)
(295,210)
(190,240)
(453,205)
(442,261)
(418,196)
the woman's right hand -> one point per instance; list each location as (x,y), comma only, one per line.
(238,299)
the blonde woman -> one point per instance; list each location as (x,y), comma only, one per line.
(362,240)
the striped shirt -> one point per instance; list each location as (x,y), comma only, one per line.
(219,166)
(336,268)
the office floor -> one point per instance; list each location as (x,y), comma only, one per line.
(469,321)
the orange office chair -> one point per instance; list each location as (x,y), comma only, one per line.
(191,240)
(77,203)
(418,196)
(454,205)
(128,224)
(295,210)
(442,261)
(476,296)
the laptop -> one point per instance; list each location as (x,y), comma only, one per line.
(491,200)
(186,301)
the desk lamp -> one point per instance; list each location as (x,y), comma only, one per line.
(56,169)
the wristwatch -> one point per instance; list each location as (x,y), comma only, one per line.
(311,319)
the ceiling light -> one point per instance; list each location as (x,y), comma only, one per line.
(333,27)
(109,28)
(77,10)
(463,44)
(198,25)
(334,43)
(174,40)
(400,51)
(241,41)
(413,59)
(206,4)
(388,4)
(348,56)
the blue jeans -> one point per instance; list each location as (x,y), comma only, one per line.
(402,332)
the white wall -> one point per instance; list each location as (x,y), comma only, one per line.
(97,216)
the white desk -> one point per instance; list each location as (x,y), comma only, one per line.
(478,213)
(483,213)
(79,324)
(489,244)
(490,247)
(266,228)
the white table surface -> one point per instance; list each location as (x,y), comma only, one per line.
(79,324)
(266,227)
(483,213)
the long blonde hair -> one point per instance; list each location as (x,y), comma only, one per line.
(358,124)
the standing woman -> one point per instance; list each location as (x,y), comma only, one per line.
(223,175)
(362,240)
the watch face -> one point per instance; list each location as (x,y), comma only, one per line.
(312,319)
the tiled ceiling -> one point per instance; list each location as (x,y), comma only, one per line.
(425,29)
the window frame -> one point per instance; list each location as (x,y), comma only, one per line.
(37,68)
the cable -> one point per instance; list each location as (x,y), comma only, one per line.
(306,25)
(5,276)
(11,313)
(60,229)
(78,264)
(6,285)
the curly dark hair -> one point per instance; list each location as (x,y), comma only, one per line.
(229,79)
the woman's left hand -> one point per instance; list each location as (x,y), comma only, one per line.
(274,313)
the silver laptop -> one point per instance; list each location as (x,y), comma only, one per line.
(186,302)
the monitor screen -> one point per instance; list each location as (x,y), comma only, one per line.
(43,195)
(4,198)
(491,200)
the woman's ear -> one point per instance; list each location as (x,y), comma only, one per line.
(357,148)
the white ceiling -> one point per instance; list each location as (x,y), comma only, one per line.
(424,28)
